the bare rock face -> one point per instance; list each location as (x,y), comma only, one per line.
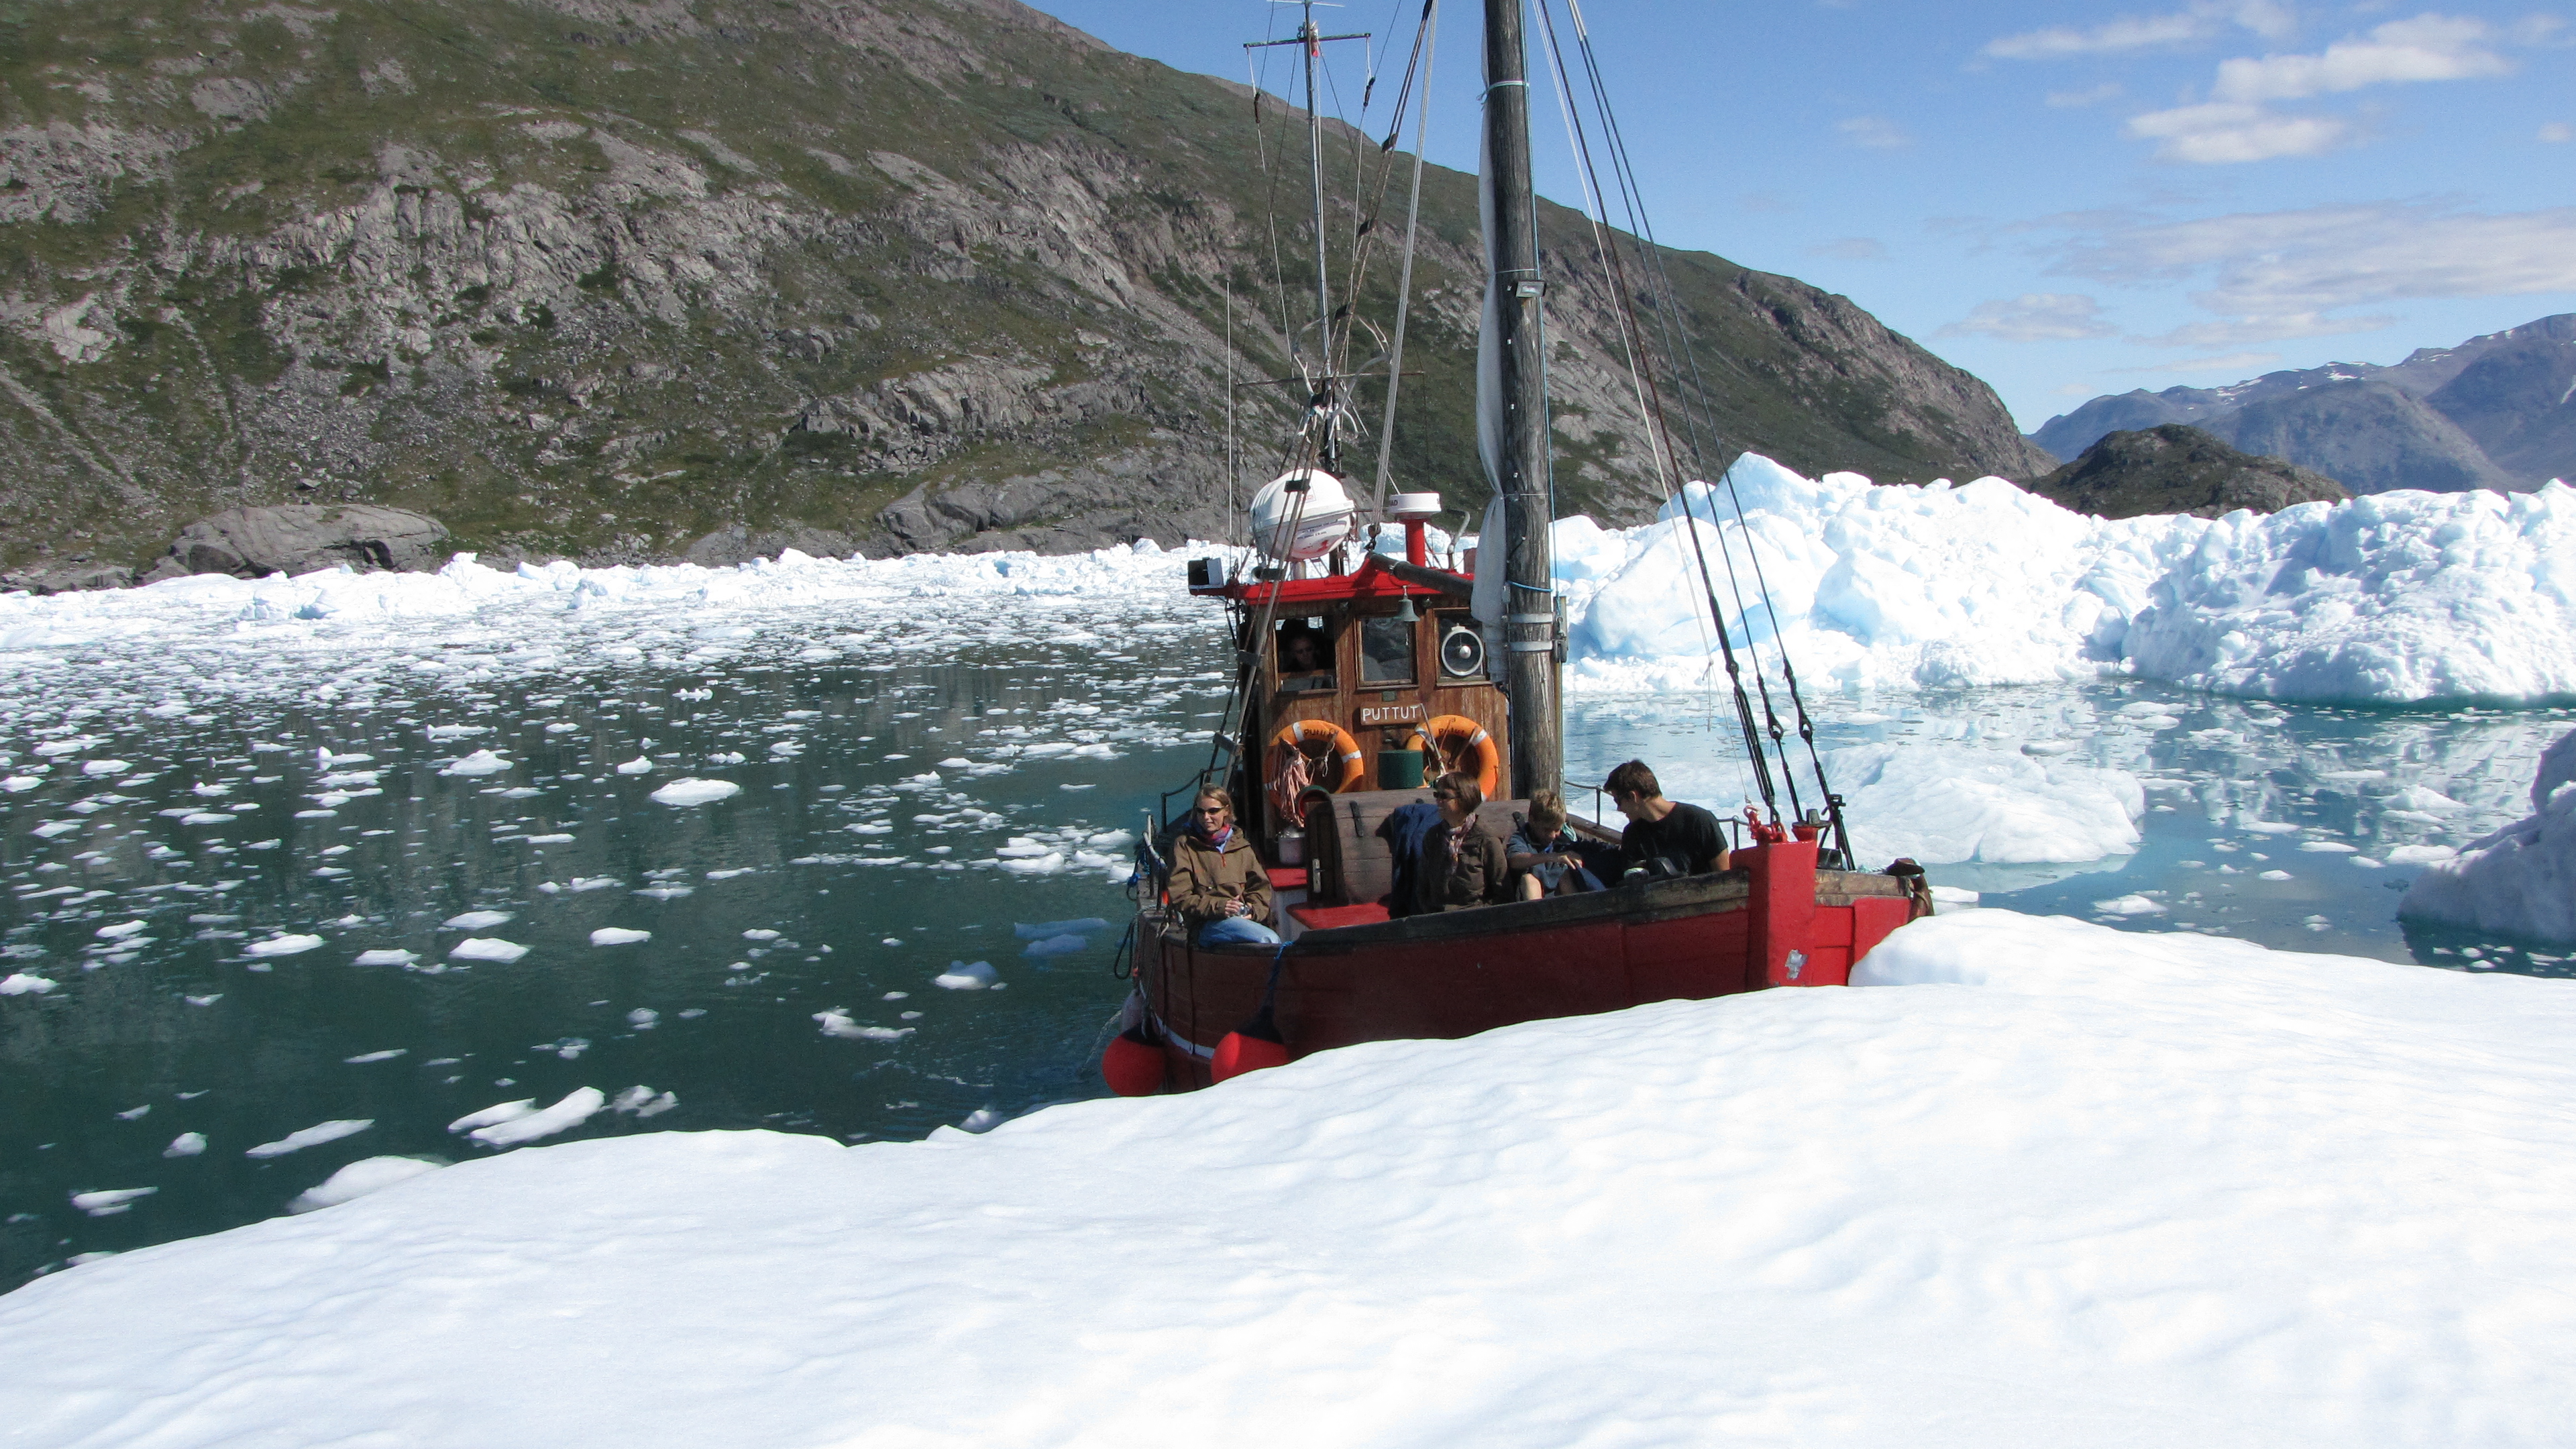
(2179,469)
(296,538)
(68,578)
(729,546)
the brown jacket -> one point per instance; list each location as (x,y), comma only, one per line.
(1203,880)
(1473,876)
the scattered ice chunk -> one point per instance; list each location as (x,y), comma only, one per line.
(555,839)
(120,930)
(2130,905)
(982,1119)
(313,1136)
(203,1000)
(2419,854)
(965,976)
(640,765)
(20,784)
(760,934)
(643,1018)
(576,1108)
(618,936)
(481,762)
(642,1102)
(285,945)
(690,790)
(486,948)
(2274,875)
(186,1144)
(1065,945)
(837,1022)
(478,920)
(134,1114)
(489,1116)
(2326,847)
(108,1202)
(366,1175)
(383,1056)
(386,956)
(19,983)
(105,767)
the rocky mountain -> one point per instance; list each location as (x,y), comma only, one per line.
(2497,411)
(628,278)
(2173,468)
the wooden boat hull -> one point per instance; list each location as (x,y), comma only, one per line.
(1775,921)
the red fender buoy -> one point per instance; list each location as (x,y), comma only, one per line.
(1132,1065)
(1251,1047)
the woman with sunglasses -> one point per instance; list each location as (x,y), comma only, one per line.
(1219,884)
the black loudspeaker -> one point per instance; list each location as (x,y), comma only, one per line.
(1462,653)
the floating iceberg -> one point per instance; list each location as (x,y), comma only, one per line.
(694,791)
(2518,881)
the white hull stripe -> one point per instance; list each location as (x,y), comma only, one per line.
(1178,1040)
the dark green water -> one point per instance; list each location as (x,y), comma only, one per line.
(964,776)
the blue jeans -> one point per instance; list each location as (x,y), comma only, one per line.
(1230,929)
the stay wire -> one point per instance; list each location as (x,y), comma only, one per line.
(1660,440)
(1680,347)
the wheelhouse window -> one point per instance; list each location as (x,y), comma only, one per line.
(1303,649)
(1386,651)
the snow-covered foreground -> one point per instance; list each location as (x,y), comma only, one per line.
(2060,1186)
(2393,598)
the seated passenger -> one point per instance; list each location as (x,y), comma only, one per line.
(1406,830)
(1546,858)
(1219,884)
(1462,862)
(1302,664)
(1664,837)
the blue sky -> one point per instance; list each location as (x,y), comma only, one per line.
(2064,199)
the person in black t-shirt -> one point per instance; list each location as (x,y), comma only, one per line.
(1660,829)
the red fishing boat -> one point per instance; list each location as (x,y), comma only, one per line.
(1360,673)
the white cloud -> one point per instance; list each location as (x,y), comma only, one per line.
(2558,133)
(1852,249)
(2034,317)
(2236,123)
(2270,275)
(2240,330)
(2090,96)
(1875,132)
(2238,363)
(2146,32)
(2222,132)
(2426,48)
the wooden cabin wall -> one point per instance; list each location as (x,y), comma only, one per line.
(1378,718)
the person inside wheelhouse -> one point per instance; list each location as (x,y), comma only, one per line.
(1305,658)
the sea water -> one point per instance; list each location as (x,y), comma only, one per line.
(277,894)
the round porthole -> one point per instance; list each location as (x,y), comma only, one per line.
(1462,653)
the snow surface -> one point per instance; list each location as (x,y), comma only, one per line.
(2062,1186)
(366,1175)
(2394,597)
(2518,881)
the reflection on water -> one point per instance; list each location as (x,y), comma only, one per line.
(2291,826)
(199,860)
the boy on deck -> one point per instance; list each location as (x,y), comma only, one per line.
(1687,837)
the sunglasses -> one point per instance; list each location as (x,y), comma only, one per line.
(1210,810)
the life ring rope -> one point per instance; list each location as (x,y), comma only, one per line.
(1297,732)
(1479,747)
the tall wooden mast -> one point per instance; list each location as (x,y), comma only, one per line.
(1529,604)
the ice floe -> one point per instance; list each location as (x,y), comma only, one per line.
(2038,1183)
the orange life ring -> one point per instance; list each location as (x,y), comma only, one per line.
(1479,747)
(1297,732)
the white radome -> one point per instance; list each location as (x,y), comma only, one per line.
(1324,521)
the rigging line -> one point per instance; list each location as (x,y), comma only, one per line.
(1633,195)
(1651,404)
(1667,298)
(1270,203)
(1425,40)
(1594,211)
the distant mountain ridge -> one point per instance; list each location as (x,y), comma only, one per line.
(628,279)
(2497,411)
